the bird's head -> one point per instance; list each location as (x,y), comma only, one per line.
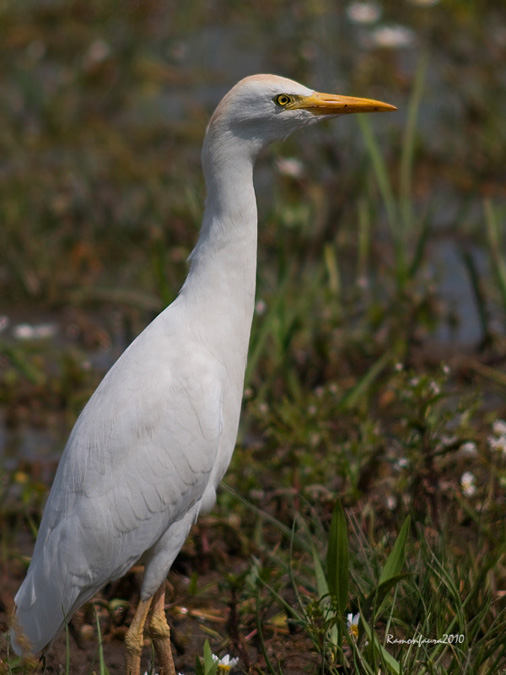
(261,109)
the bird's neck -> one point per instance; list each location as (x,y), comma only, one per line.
(222,275)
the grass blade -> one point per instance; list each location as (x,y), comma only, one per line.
(496,247)
(354,394)
(479,295)
(338,558)
(102,667)
(380,171)
(408,146)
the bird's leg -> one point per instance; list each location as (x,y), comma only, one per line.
(134,639)
(159,632)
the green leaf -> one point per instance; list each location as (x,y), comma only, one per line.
(207,666)
(337,558)
(210,664)
(199,666)
(323,592)
(321,580)
(395,561)
(391,572)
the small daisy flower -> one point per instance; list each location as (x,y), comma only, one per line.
(97,52)
(468,484)
(392,37)
(435,388)
(290,166)
(260,307)
(498,444)
(499,428)
(391,502)
(226,663)
(352,623)
(363,12)
(25,331)
(470,448)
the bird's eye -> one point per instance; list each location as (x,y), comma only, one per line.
(283,100)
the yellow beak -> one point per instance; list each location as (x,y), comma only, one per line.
(333,104)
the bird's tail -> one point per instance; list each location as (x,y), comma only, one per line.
(43,606)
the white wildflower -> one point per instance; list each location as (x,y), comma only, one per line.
(392,37)
(468,483)
(260,307)
(499,428)
(435,388)
(290,166)
(263,408)
(24,331)
(498,444)
(363,12)
(352,623)
(98,51)
(470,448)
(226,663)
(391,502)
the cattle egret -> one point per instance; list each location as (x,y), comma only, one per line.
(147,453)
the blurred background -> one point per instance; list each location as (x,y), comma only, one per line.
(377,364)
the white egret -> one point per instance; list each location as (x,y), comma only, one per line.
(147,453)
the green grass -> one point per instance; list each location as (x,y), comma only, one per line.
(346,492)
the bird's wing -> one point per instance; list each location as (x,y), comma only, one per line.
(139,457)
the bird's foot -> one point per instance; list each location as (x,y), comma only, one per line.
(159,631)
(134,639)
(133,662)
